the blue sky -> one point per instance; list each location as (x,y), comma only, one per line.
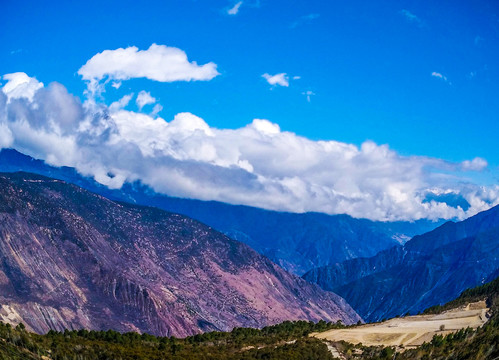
(420,76)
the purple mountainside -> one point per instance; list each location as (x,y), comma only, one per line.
(73,259)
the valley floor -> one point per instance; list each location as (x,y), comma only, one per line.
(411,331)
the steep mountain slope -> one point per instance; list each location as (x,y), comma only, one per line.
(288,340)
(430,269)
(298,242)
(73,259)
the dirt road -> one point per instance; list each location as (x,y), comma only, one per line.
(411,331)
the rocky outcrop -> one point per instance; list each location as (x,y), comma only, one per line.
(430,269)
(73,259)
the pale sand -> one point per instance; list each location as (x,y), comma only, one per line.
(411,331)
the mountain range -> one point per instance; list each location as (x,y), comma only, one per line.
(428,270)
(369,263)
(71,259)
(297,242)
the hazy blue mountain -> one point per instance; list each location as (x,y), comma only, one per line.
(298,242)
(428,270)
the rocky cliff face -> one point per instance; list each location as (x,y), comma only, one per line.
(297,242)
(73,259)
(430,269)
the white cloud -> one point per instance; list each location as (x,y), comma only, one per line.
(159,62)
(440,76)
(6,138)
(477,164)
(144,98)
(308,94)
(121,103)
(281,79)
(156,110)
(235,9)
(258,164)
(409,16)
(304,19)
(20,85)
(265,127)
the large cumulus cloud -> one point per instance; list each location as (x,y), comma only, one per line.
(258,165)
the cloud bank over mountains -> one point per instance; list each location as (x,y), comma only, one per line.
(258,165)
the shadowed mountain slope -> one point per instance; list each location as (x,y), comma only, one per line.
(428,270)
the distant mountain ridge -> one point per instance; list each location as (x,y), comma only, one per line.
(297,242)
(73,259)
(428,270)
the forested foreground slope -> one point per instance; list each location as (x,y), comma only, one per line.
(286,341)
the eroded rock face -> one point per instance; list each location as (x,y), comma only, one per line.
(73,259)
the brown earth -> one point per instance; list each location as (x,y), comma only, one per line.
(411,331)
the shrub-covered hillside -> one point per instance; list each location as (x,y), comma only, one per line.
(287,341)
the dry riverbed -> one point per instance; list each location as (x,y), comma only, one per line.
(411,331)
